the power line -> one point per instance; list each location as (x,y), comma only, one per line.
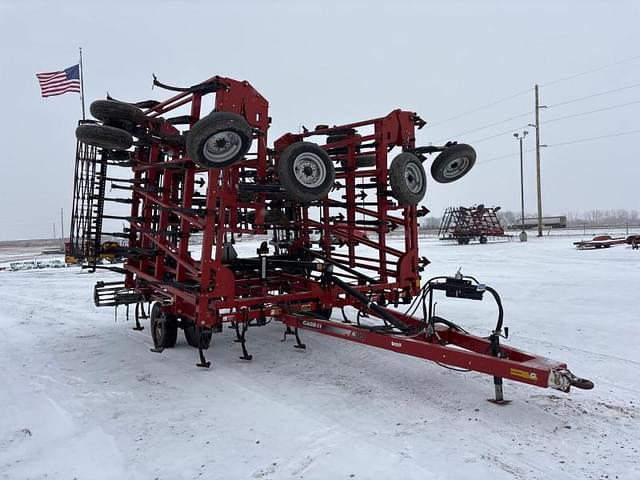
(477,109)
(570,142)
(592,70)
(488,125)
(590,139)
(553,82)
(580,114)
(502,157)
(573,115)
(595,95)
(475,142)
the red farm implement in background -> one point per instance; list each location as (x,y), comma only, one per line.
(334,211)
(464,224)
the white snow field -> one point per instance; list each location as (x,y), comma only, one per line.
(81,396)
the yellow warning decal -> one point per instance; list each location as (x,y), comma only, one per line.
(523,374)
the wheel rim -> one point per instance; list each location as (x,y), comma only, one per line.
(222,147)
(309,170)
(455,167)
(413,178)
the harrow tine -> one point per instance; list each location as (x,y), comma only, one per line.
(201,345)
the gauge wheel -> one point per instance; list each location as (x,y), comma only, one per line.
(192,335)
(164,328)
(110,138)
(112,110)
(306,172)
(453,163)
(407,178)
(218,140)
(362,161)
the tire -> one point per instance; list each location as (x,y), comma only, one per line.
(407,178)
(164,328)
(275,217)
(110,138)
(453,163)
(324,313)
(483,240)
(271,217)
(363,161)
(192,336)
(246,196)
(218,140)
(306,172)
(112,110)
(337,137)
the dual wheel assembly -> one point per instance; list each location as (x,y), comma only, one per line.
(304,169)
(164,330)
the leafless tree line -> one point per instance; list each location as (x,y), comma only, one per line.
(618,216)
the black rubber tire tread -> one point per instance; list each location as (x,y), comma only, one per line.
(292,186)
(483,240)
(210,125)
(397,179)
(363,161)
(271,217)
(168,340)
(103,136)
(337,137)
(444,159)
(247,196)
(275,217)
(192,336)
(113,110)
(324,313)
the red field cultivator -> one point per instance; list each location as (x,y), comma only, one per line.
(335,223)
(465,224)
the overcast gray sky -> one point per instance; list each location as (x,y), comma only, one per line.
(335,62)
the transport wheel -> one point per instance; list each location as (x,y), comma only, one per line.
(219,140)
(366,161)
(324,313)
(453,163)
(483,240)
(110,138)
(271,217)
(306,171)
(192,336)
(407,178)
(112,110)
(164,328)
(363,161)
(275,217)
(337,137)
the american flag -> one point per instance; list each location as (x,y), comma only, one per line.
(57,83)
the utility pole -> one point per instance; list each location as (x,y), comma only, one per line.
(538,163)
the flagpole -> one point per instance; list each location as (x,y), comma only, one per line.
(81,84)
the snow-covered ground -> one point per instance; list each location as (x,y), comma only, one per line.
(82,397)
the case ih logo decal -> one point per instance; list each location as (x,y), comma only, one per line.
(312,324)
(343,332)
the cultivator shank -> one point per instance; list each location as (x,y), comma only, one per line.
(334,210)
